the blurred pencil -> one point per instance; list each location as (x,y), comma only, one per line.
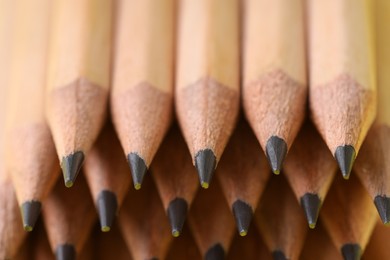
(184,247)
(378,247)
(141,99)
(207,88)
(143,223)
(274,74)
(373,166)
(211,223)
(310,169)
(31,157)
(107,176)
(243,175)
(40,244)
(175,178)
(111,244)
(78,78)
(349,217)
(69,217)
(342,87)
(280,221)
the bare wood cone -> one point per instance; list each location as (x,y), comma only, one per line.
(184,247)
(377,248)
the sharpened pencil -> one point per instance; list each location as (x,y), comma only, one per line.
(207,79)
(78,78)
(342,85)
(274,74)
(377,247)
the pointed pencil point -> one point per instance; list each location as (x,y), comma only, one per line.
(30,213)
(311,204)
(382,204)
(278,255)
(138,169)
(215,252)
(345,156)
(65,252)
(205,163)
(177,212)
(276,150)
(107,208)
(351,251)
(243,214)
(71,166)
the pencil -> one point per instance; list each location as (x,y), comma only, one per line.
(31,156)
(274,74)
(373,166)
(143,223)
(175,178)
(243,175)
(319,246)
(207,79)
(39,243)
(377,247)
(280,221)
(349,217)
(310,169)
(141,98)
(184,247)
(78,78)
(211,223)
(107,176)
(342,88)
(69,217)
(109,244)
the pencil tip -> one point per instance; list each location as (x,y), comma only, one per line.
(205,163)
(215,252)
(243,214)
(278,255)
(138,169)
(382,204)
(276,150)
(345,156)
(65,252)
(107,205)
(177,211)
(311,204)
(30,213)
(71,166)
(351,251)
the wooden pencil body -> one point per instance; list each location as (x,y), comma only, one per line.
(184,247)
(109,244)
(207,87)
(250,247)
(377,247)
(141,98)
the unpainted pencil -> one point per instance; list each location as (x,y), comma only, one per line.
(143,223)
(310,169)
(211,223)
(373,166)
(377,247)
(207,79)
(243,173)
(141,98)
(342,85)
(107,176)
(280,220)
(69,218)
(184,247)
(274,74)
(31,156)
(78,78)
(175,178)
(349,217)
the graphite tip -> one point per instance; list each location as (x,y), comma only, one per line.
(276,150)
(138,169)
(71,166)
(351,251)
(66,252)
(30,213)
(215,252)
(243,215)
(107,207)
(177,212)
(345,156)
(382,204)
(311,204)
(278,255)
(205,163)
